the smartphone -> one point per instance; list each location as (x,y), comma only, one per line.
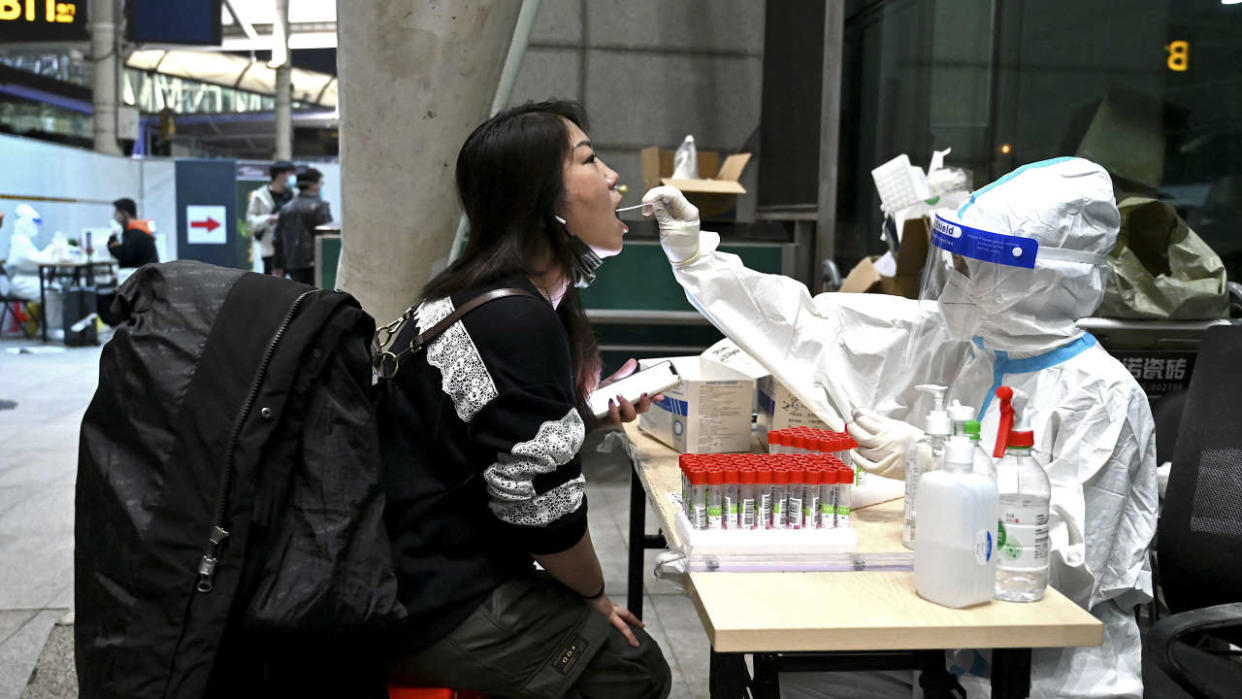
(652,380)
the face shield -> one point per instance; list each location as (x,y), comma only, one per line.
(1006,290)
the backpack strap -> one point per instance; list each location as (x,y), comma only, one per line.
(388,362)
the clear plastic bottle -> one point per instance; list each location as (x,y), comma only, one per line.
(964,423)
(983,463)
(954,556)
(1022,534)
(925,455)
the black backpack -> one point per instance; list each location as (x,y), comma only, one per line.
(229,532)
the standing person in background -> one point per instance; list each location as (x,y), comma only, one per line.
(295,229)
(264,209)
(133,240)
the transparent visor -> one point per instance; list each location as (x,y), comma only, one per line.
(973,276)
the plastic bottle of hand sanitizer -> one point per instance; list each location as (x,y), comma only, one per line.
(925,455)
(1022,536)
(964,423)
(955,554)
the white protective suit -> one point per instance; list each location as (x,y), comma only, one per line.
(23,260)
(1093,428)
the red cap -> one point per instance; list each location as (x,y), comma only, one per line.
(698,477)
(846,442)
(763,476)
(1026,438)
(830,476)
(774,437)
(747,476)
(797,474)
(813,477)
(780,476)
(732,475)
(845,475)
(715,477)
(787,439)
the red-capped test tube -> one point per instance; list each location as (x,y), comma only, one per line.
(746,496)
(698,496)
(683,462)
(810,494)
(780,496)
(828,496)
(732,484)
(787,442)
(774,441)
(845,495)
(763,494)
(715,497)
(797,481)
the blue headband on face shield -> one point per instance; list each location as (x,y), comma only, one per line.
(978,244)
(1008,250)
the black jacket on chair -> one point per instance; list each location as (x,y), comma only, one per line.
(240,403)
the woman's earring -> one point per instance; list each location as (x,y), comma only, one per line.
(562,221)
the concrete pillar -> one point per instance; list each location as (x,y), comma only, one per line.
(104,47)
(416,78)
(284,83)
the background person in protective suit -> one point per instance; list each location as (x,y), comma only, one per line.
(1000,325)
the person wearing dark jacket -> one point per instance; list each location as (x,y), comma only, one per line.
(135,246)
(295,229)
(482,430)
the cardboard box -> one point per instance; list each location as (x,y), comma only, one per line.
(866,278)
(708,412)
(715,193)
(776,407)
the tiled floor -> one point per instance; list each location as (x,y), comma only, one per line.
(38,457)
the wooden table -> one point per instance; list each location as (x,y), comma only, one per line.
(844,620)
(77,270)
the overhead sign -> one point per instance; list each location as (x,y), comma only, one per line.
(43,20)
(206,225)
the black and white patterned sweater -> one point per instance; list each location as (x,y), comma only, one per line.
(485,434)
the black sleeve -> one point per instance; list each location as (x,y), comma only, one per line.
(323,214)
(278,236)
(535,485)
(136,249)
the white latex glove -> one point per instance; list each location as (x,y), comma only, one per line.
(679,223)
(882,443)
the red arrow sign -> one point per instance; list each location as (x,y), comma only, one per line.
(210,224)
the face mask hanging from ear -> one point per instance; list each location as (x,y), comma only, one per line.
(585,259)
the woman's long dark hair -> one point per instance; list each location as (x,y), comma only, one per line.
(510,182)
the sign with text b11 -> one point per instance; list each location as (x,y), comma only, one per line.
(43,20)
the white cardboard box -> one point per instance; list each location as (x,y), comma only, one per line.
(708,412)
(777,408)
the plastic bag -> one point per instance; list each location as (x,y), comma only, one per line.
(1161,269)
(686,161)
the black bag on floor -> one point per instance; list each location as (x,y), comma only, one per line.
(229,532)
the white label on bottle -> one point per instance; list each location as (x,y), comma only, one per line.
(983,547)
(700,516)
(1022,537)
(765,510)
(795,512)
(812,511)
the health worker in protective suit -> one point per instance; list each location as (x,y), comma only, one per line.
(1008,275)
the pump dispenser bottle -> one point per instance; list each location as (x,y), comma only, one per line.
(964,423)
(925,455)
(955,554)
